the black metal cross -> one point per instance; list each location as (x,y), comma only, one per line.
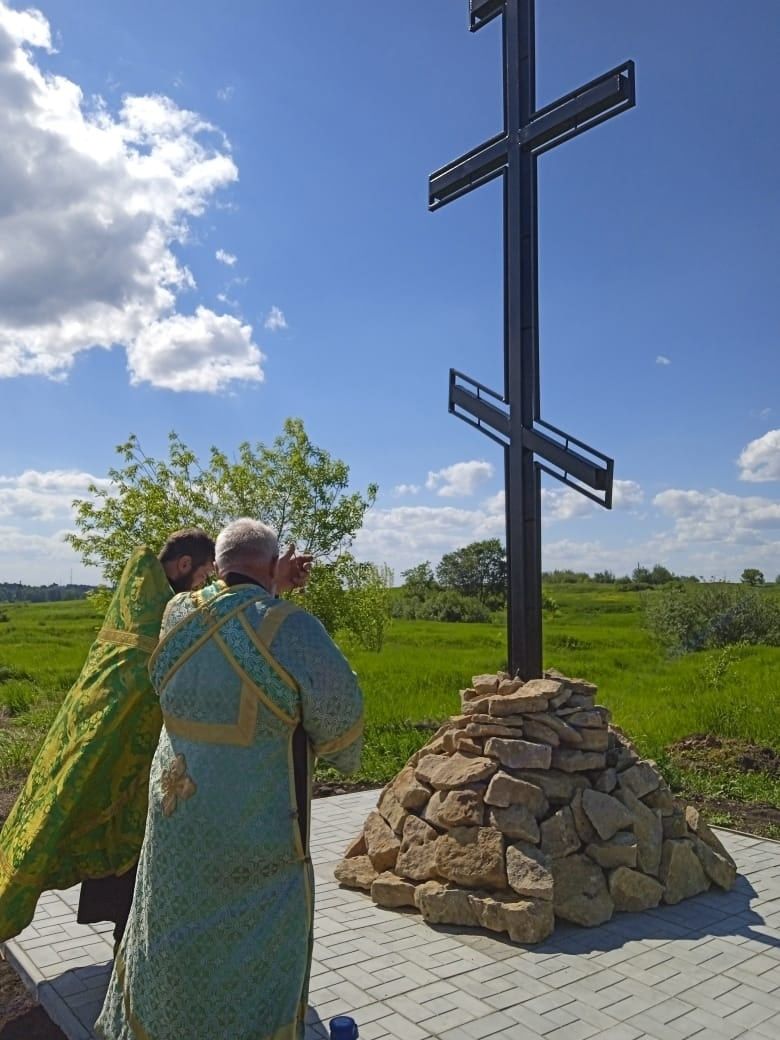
(526,438)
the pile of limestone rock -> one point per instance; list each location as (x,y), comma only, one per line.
(526,807)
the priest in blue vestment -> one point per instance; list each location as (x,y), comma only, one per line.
(252,691)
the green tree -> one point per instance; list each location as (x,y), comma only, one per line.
(296,487)
(419,580)
(752,576)
(478,569)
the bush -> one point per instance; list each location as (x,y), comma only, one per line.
(700,617)
(449,605)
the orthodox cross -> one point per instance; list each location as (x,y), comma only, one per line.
(530,445)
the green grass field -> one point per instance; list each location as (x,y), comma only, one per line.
(414,682)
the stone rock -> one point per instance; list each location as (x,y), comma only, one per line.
(466,745)
(461,808)
(357,847)
(594,739)
(559,834)
(590,718)
(381,841)
(482,730)
(606,814)
(700,828)
(468,695)
(472,857)
(519,754)
(607,782)
(358,872)
(445,904)
(529,871)
(560,698)
(544,734)
(525,920)
(514,722)
(570,760)
(485,685)
(620,851)
(640,779)
(633,891)
(674,825)
(583,688)
(681,871)
(389,890)
(546,688)
(507,686)
(447,773)
(409,791)
(717,868)
(567,734)
(622,758)
(649,832)
(504,790)
(516,821)
(417,858)
(580,894)
(558,787)
(477,705)
(391,810)
(519,703)
(662,798)
(582,823)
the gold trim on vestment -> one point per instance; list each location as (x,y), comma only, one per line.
(238,734)
(246,678)
(272,620)
(339,743)
(282,672)
(115,635)
(187,654)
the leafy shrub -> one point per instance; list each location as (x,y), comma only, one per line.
(699,617)
(449,605)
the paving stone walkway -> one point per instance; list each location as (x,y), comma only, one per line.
(709,967)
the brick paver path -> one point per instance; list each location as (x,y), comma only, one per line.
(709,967)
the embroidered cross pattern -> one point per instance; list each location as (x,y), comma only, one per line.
(513,417)
(176,784)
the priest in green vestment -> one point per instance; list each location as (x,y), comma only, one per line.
(81,814)
(252,691)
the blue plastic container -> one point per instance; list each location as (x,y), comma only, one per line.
(343,1028)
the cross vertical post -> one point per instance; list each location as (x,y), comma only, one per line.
(517,426)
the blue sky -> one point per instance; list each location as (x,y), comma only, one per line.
(234,196)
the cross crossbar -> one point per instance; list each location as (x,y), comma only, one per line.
(512,419)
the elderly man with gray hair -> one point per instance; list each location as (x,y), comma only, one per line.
(252,691)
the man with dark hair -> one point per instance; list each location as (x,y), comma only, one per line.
(82,812)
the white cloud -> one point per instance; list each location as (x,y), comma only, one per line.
(406,489)
(225,257)
(760,460)
(564,503)
(201,352)
(663,360)
(94,203)
(275,320)
(405,535)
(226,93)
(40,558)
(626,494)
(36,495)
(715,516)
(460,479)
(765,413)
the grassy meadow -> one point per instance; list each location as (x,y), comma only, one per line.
(597,633)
